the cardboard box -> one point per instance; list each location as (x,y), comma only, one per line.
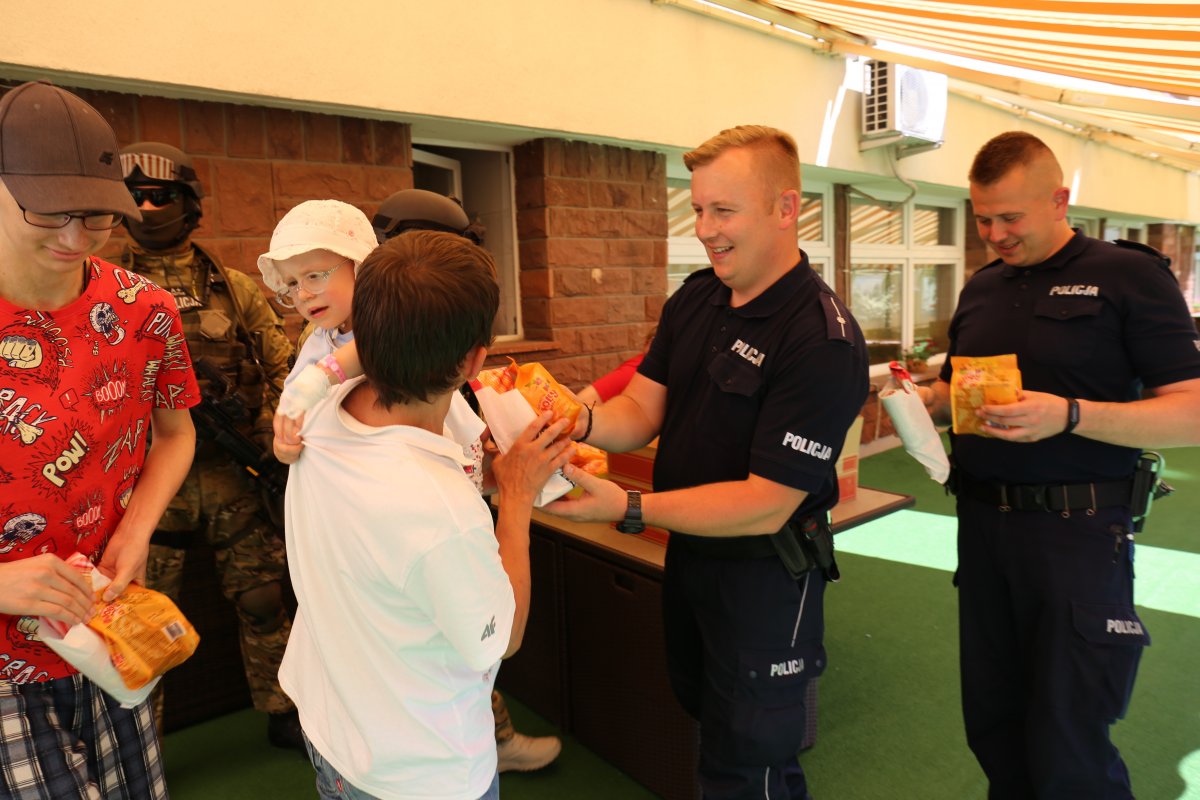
(847,463)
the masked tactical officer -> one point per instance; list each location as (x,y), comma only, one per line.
(242,357)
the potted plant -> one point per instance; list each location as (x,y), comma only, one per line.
(916,358)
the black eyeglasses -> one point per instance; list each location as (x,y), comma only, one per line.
(92,220)
(157,195)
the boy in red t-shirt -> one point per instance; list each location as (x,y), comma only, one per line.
(95,439)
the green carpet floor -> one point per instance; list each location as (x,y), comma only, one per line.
(889,712)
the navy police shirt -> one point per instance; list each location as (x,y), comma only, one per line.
(768,388)
(1095,321)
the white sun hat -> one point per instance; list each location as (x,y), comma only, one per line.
(317,225)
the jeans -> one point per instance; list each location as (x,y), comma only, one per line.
(332,786)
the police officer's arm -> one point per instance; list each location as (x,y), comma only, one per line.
(752,506)
(628,421)
(172,446)
(1168,417)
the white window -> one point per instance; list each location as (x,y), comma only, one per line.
(906,268)
(482,178)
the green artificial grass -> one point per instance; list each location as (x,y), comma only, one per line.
(889,721)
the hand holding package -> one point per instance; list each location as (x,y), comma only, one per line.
(914,425)
(511,398)
(129,643)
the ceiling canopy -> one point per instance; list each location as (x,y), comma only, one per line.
(981,45)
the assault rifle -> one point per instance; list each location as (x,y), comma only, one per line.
(217,419)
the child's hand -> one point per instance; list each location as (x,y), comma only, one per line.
(307,389)
(535,455)
(287,444)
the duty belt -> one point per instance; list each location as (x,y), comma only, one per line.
(1063,498)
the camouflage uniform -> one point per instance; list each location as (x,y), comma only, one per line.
(219,503)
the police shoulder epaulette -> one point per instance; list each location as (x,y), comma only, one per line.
(837,320)
(1163,260)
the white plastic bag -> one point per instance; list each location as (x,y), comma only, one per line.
(507,415)
(914,426)
(86,651)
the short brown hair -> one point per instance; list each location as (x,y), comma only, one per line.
(422,301)
(782,156)
(1006,152)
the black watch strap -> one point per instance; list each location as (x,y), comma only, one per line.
(632,523)
(1072,414)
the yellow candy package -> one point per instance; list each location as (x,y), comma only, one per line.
(986,380)
(145,632)
(536,385)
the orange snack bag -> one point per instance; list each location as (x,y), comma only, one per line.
(536,385)
(591,460)
(987,380)
(502,379)
(145,632)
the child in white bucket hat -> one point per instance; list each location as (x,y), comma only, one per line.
(315,251)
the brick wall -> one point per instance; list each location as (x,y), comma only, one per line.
(256,163)
(592,226)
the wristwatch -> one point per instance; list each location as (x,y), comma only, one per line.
(632,523)
(1072,414)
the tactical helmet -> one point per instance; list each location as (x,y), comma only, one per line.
(417,209)
(160,164)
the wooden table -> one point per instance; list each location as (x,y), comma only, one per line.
(593,659)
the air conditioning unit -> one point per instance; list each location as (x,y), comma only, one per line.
(902,105)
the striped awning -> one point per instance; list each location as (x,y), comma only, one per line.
(1150,46)
(1146,45)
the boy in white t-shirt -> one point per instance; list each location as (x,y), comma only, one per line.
(408,598)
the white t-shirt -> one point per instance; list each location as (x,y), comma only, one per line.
(462,424)
(405,608)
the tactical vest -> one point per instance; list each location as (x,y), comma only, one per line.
(210,309)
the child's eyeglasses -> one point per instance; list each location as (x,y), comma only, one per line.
(311,282)
(158,196)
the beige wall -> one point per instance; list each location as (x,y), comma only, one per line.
(622,71)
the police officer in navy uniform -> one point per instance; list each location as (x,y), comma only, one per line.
(753,379)
(1109,361)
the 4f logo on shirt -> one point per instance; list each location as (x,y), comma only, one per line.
(489,629)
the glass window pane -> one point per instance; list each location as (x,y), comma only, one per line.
(677,274)
(933,225)
(875,302)
(875,223)
(681,220)
(933,305)
(811,224)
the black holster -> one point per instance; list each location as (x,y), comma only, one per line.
(805,545)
